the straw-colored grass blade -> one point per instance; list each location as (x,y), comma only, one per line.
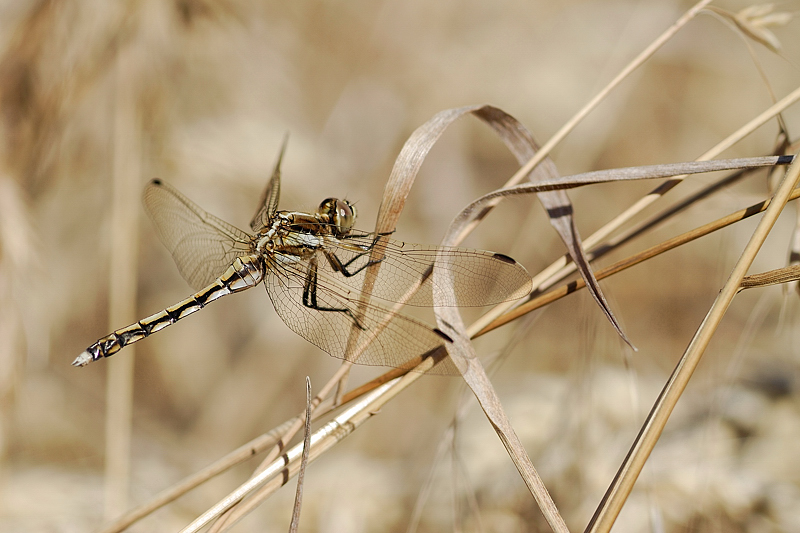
(623,483)
(298,498)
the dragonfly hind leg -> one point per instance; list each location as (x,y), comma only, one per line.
(310,296)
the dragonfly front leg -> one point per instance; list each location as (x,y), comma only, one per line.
(338,266)
(310,295)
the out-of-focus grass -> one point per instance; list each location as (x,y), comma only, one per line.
(217,85)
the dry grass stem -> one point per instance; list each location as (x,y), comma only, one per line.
(98,99)
(237,456)
(298,498)
(772,277)
(596,239)
(122,283)
(323,439)
(622,485)
(590,106)
(483,386)
(635,259)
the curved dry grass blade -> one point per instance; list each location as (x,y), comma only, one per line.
(622,174)
(557,204)
(624,264)
(465,359)
(523,146)
(463,356)
(630,173)
(630,233)
(404,173)
(298,497)
(598,236)
(623,483)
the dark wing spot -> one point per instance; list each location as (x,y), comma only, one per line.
(443,335)
(560,211)
(505,259)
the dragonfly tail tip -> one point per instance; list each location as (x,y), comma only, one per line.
(83,359)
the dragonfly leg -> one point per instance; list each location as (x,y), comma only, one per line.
(338,266)
(360,235)
(310,296)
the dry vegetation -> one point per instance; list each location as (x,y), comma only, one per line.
(99,97)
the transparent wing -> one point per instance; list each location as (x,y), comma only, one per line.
(202,245)
(268,204)
(480,278)
(393,344)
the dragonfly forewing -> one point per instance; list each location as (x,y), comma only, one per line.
(480,278)
(201,244)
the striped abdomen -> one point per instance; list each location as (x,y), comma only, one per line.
(245,272)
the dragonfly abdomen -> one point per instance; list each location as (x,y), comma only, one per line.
(245,272)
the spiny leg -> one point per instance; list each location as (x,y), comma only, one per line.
(338,266)
(310,295)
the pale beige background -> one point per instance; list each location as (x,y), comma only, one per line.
(200,93)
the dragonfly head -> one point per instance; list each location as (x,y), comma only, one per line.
(340,214)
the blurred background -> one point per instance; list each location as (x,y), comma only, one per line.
(99,97)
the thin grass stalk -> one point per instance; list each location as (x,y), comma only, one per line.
(261,443)
(570,125)
(170,494)
(786,274)
(624,264)
(596,239)
(298,496)
(322,440)
(289,433)
(122,287)
(672,243)
(623,483)
(273,439)
(384,393)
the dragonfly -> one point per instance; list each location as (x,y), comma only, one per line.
(313,266)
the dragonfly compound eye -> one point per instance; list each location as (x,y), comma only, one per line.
(341,214)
